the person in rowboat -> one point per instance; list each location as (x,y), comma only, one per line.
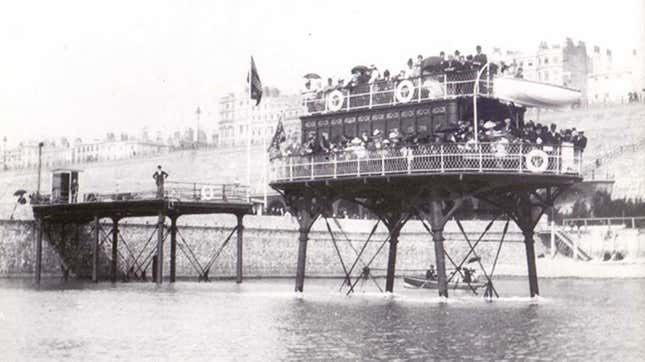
(430,273)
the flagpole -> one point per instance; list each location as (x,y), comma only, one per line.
(248,136)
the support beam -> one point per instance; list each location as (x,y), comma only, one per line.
(95,250)
(173,248)
(115,250)
(437,222)
(39,250)
(240,238)
(391,259)
(159,265)
(529,244)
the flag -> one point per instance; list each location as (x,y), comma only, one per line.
(255,83)
(278,137)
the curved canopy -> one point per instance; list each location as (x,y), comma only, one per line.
(534,94)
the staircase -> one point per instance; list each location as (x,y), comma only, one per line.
(564,244)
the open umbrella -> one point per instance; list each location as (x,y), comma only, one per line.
(19,192)
(430,63)
(360,69)
(311,76)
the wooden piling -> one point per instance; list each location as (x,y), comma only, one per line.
(240,236)
(302,258)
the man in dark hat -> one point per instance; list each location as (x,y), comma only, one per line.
(480,59)
(160,177)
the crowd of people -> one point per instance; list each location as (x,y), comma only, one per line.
(461,133)
(445,63)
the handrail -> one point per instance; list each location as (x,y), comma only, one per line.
(173,190)
(521,158)
(586,221)
(383,93)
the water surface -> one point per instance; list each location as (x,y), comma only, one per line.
(577,319)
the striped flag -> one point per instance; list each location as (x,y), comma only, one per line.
(255,83)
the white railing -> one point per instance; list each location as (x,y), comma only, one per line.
(504,158)
(388,93)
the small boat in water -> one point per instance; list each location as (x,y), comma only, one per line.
(420,281)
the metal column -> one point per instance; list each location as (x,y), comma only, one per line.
(240,236)
(95,250)
(173,248)
(115,240)
(159,279)
(529,243)
(39,250)
(437,222)
(302,258)
(391,260)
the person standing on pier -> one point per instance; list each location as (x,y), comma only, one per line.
(160,177)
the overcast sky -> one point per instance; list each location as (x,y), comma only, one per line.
(82,68)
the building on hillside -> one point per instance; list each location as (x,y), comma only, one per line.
(566,65)
(240,119)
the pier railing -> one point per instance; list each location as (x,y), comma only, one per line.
(172,190)
(503,158)
(392,92)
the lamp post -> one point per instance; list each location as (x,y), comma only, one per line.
(40,164)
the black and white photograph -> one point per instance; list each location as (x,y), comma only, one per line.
(302,180)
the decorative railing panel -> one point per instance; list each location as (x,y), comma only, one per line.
(404,91)
(519,158)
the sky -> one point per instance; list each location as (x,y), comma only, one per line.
(82,69)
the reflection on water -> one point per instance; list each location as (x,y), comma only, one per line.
(263,319)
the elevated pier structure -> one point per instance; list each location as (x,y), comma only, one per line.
(55,214)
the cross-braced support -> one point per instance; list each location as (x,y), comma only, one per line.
(39,250)
(115,249)
(95,250)
(526,207)
(160,239)
(437,218)
(306,205)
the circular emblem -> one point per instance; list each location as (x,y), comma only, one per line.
(335,100)
(405,91)
(537,161)
(207,193)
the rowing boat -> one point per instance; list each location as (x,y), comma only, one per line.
(416,282)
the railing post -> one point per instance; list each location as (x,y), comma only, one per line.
(290,168)
(371,92)
(312,167)
(358,166)
(481,157)
(445,87)
(441,159)
(349,97)
(419,90)
(382,164)
(335,165)
(521,157)
(633,223)
(558,159)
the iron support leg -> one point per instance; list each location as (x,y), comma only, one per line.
(302,258)
(173,249)
(529,243)
(240,237)
(39,250)
(159,279)
(391,261)
(95,250)
(437,223)
(115,240)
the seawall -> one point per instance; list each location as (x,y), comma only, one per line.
(270,246)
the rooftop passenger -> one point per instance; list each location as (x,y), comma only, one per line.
(480,59)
